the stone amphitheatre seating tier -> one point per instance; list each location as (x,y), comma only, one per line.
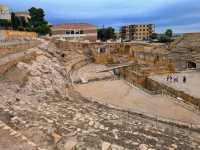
(186,49)
(11,60)
(17,46)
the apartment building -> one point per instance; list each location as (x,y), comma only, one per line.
(137,32)
(76,31)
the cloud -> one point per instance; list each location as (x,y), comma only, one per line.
(164,13)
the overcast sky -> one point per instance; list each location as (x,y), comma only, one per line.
(180,15)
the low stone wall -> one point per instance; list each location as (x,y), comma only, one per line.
(13,47)
(153,85)
(132,76)
(137,79)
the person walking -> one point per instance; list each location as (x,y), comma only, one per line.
(184,79)
(171,78)
(168,77)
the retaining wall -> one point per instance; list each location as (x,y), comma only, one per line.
(153,85)
(13,47)
(8,35)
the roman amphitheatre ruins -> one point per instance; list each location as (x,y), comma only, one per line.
(67,95)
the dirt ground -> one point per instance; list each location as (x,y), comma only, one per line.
(119,93)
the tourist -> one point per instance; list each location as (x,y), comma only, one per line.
(184,79)
(171,78)
(168,77)
(174,79)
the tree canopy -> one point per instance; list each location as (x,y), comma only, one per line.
(5,23)
(105,34)
(18,23)
(37,22)
(169,33)
(154,36)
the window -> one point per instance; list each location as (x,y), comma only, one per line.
(77,32)
(81,32)
(72,31)
(67,32)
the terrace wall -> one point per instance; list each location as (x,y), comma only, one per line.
(14,47)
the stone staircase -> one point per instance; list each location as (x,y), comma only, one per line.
(186,49)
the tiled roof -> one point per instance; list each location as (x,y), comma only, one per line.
(21,13)
(74,26)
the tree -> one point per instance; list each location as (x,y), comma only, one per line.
(37,22)
(14,21)
(18,23)
(101,34)
(106,33)
(153,36)
(164,39)
(5,23)
(169,33)
(110,33)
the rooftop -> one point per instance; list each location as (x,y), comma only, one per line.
(21,13)
(74,26)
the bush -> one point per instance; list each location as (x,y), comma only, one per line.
(165,39)
(5,23)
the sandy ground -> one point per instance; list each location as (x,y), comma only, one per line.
(191,87)
(119,93)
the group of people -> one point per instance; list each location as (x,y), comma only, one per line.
(175,79)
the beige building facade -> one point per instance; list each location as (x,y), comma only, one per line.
(137,32)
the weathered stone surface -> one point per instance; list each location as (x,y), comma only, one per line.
(106,146)
(50,118)
(143,147)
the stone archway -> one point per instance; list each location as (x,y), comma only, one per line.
(191,65)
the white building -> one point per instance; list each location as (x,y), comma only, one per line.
(4,13)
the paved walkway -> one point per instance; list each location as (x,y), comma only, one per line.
(119,93)
(191,87)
